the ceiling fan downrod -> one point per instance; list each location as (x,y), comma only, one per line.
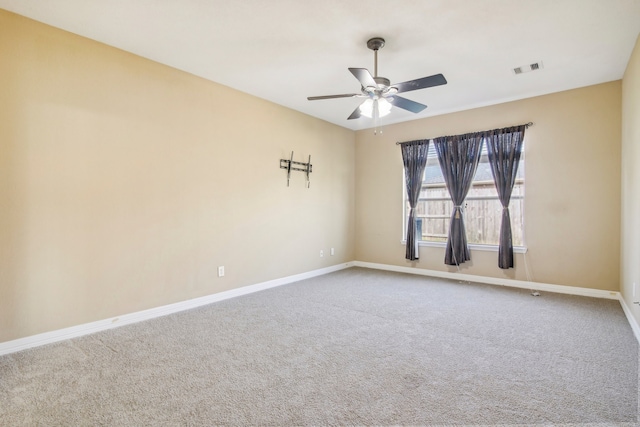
(375,44)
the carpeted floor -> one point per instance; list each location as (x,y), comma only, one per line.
(355,347)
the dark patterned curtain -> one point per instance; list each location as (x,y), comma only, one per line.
(458,157)
(414,156)
(504,147)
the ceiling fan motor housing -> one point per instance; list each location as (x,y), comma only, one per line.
(382,81)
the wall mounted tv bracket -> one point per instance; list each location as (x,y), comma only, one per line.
(289,166)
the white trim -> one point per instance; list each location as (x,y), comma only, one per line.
(472,246)
(126,319)
(573,290)
(632,320)
(493,248)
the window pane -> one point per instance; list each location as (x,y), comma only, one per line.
(435,213)
(483,216)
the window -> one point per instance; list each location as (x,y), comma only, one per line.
(482,208)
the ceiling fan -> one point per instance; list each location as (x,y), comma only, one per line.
(379,91)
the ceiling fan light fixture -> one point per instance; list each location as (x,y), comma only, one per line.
(366,108)
(370,107)
(384,107)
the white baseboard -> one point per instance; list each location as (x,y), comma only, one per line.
(126,319)
(630,318)
(561,289)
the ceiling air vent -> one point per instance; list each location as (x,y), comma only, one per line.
(529,67)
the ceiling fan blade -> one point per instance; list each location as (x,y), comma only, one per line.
(364,77)
(344,95)
(406,104)
(356,113)
(423,83)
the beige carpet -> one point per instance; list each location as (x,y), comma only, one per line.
(355,347)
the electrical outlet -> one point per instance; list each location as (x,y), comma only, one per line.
(321,253)
(221,271)
(333,252)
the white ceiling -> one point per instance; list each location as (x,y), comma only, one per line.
(286,50)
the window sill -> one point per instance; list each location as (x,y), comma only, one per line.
(472,246)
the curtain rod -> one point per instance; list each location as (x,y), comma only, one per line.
(526,126)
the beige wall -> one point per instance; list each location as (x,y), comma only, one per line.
(630,245)
(572,202)
(125,183)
